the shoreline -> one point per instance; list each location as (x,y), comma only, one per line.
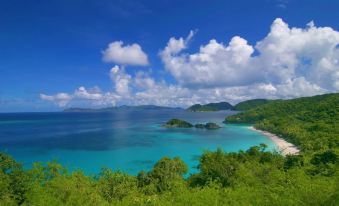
(284,147)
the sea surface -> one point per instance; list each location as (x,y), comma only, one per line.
(129,141)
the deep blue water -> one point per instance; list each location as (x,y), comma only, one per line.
(123,140)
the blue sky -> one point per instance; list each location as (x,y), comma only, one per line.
(51,52)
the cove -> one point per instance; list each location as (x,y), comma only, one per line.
(129,141)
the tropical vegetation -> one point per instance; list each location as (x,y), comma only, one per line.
(178,123)
(250,104)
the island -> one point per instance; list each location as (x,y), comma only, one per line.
(178,123)
(211,125)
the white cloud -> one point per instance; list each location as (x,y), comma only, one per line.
(289,53)
(287,63)
(143,81)
(92,94)
(60,99)
(125,55)
(284,54)
(214,65)
(91,97)
(174,45)
(121,80)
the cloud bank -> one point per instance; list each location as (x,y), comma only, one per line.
(288,62)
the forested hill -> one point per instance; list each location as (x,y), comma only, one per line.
(250,104)
(241,106)
(312,123)
(210,107)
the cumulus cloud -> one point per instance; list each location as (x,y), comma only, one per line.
(284,56)
(289,62)
(125,55)
(214,65)
(121,80)
(60,99)
(311,53)
(92,96)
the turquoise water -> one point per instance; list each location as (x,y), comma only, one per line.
(129,141)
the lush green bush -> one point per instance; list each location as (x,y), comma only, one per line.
(252,177)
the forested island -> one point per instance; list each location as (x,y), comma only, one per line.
(251,177)
(178,123)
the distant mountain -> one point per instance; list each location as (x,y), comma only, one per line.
(210,107)
(241,106)
(250,104)
(76,109)
(120,108)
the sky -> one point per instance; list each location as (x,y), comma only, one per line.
(61,54)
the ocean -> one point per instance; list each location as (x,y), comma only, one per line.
(127,140)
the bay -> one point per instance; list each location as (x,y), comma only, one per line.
(125,140)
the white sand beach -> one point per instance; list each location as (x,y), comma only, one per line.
(284,147)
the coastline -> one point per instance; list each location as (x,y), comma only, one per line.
(284,147)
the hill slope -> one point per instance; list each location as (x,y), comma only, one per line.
(250,104)
(312,123)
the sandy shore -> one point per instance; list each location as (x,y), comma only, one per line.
(284,147)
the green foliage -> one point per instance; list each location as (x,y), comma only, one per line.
(199,126)
(211,125)
(166,174)
(210,107)
(178,123)
(208,125)
(325,158)
(116,185)
(14,181)
(250,104)
(184,124)
(252,177)
(312,123)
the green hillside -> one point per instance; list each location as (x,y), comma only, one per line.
(210,107)
(309,122)
(250,104)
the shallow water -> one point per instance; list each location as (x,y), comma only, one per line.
(130,141)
